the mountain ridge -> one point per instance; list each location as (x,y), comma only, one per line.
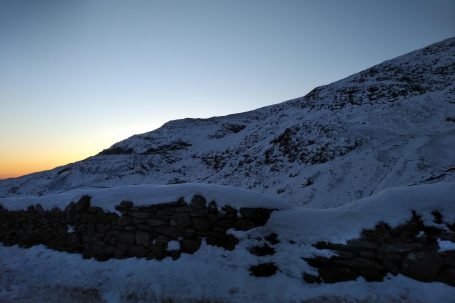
(342,141)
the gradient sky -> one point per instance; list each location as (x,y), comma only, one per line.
(78,76)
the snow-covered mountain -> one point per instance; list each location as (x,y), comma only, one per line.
(390,125)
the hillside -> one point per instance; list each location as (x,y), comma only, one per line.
(390,125)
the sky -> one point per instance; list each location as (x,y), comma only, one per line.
(76,76)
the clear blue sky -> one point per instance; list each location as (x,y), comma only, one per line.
(77,76)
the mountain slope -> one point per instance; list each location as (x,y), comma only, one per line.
(392,124)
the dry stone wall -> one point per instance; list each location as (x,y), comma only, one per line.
(140,231)
(410,249)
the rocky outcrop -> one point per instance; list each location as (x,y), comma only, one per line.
(410,249)
(140,231)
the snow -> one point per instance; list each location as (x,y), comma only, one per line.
(404,162)
(403,140)
(28,275)
(173,245)
(108,198)
(445,245)
(392,206)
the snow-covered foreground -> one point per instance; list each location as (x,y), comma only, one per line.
(214,274)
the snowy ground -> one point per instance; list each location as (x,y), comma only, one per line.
(216,275)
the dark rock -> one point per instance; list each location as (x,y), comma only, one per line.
(123,221)
(309,278)
(332,273)
(190,246)
(70,212)
(212,208)
(137,251)
(169,231)
(180,220)
(263,250)
(244,224)
(126,237)
(259,216)
(130,228)
(142,238)
(447,275)
(422,266)
(263,270)
(361,244)
(360,263)
(155,222)
(83,204)
(124,205)
(227,242)
(175,254)
(399,247)
(198,202)
(200,223)
(139,214)
(161,240)
(145,228)
(229,212)
(272,238)
(391,266)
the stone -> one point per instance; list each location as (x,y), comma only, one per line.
(263,270)
(399,248)
(142,238)
(70,212)
(126,238)
(83,204)
(390,266)
(272,238)
(168,231)
(259,216)
(309,278)
(180,220)
(122,221)
(161,240)
(331,273)
(139,214)
(422,266)
(226,241)
(143,227)
(190,246)
(229,212)
(175,254)
(244,224)
(360,263)
(155,222)
(198,202)
(368,254)
(361,244)
(200,223)
(137,251)
(263,250)
(447,275)
(124,205)
(130,228)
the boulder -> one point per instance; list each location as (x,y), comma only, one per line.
(180,220)
(142,238)
(198,202)
(190,246)
(422,266)
(263,270)
(331,273)
(83,204)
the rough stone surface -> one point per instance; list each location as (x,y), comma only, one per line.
(263,270)
(410,249)
(140,231)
